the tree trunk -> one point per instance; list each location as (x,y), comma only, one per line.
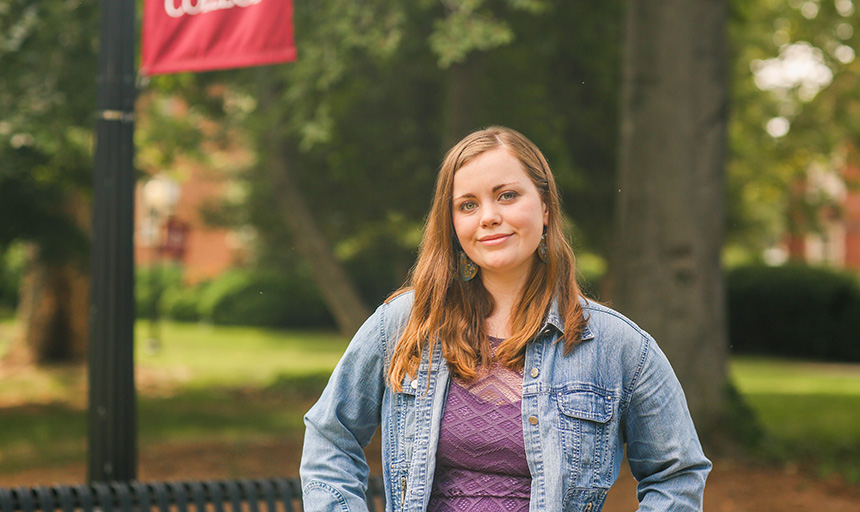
(332,281)
(461,99)
(329,275)
(53,310)
(54,300)
(666,270)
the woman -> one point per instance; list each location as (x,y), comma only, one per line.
(497,385)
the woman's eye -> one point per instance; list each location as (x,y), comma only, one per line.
(467,206)
(507,196)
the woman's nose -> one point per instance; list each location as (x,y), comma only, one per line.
(490,216)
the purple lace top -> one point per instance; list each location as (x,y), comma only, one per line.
(480,459)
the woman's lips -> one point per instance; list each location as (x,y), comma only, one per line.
(494,239)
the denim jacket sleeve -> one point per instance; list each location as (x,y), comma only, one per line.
(334,470)
(663,448)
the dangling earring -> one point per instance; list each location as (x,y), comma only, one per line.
(542,250)
(466,268)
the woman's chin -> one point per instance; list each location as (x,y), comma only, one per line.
(505,270)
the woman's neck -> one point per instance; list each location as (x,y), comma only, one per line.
(505,293)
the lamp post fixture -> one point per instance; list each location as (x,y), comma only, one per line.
(160,195)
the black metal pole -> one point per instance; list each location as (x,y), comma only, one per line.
(112,399)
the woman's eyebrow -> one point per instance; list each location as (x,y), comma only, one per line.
(495,189)
(503,185)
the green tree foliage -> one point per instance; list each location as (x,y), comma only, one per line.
(47,96)
(362,115)
(796,101)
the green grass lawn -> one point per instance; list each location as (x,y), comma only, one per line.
(207,383)
(203,355)
(203,383)
(809,411)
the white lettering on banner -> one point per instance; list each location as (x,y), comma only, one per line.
(178,8)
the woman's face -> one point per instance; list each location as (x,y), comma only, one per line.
(498,214)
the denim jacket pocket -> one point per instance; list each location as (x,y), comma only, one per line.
(584,500)
(585,405)
(585,425)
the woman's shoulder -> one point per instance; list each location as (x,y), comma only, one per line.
(621,343)
(399,303)
(394,312)
(606,323)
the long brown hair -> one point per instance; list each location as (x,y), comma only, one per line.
(453,312)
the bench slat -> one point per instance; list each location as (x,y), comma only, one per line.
(123,496)
(103,497)
(141,496)
(64,493)
(84,496)
(180,497)
(7,502)
(268,493)
(25,499)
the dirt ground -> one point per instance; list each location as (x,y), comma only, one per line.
(733,486)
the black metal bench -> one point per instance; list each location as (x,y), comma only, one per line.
(251,495)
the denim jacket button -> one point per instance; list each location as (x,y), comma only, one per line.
(535,372)
(533,420)
(414,384)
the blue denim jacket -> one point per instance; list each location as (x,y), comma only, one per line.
(578,412)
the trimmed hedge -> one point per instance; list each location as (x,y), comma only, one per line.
(794,311)
(263,298)
(180,303)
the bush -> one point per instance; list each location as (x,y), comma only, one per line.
(9,284)
(150,284)
(181,303)
(794,311)
(11,268)
(263,298)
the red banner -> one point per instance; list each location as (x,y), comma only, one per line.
(204,35)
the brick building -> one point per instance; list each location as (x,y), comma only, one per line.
(171,228)
(835,240)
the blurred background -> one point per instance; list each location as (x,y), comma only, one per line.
(277,206)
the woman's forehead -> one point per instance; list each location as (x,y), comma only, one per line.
(493,165)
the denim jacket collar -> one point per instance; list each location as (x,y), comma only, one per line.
(554,319)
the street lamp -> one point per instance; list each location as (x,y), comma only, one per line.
(160,195)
